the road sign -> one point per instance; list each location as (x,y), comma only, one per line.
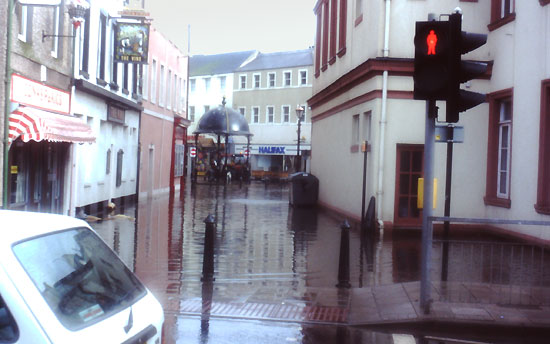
(193,152)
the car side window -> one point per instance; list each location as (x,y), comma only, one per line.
(8,327)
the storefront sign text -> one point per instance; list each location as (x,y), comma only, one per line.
(32,93)
(272,150)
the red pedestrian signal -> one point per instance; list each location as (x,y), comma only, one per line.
(432,42)
(431,74)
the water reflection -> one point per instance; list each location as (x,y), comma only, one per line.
(264,252)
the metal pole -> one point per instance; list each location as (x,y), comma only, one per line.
(365,146)
(427,228)
(447,211)
(298,157)
(7,106)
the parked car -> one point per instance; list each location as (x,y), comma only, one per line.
(60,283)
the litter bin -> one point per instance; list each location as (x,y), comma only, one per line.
(304,189)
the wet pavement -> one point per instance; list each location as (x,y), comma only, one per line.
(275,267)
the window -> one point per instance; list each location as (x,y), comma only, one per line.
(179,158)
(192,85)
(169,90)
(355,130)
(367,124)
(288,78)
(271,77)
(135,78)
(57,30)
(154,82)
(24,14)
(101,49)
(125,77)
(85,44)
(192,113)
(270,114)
(242,111)
(256,80)
(223,82)
(119,160)
(242,82)
(108,162)
(543,190)
(183,92)
(145,81)
(255,114)
(358,11)
(206,108)
(286,114)
(502,12)
(162,95)
(303,77)
(207,84)
(499,148)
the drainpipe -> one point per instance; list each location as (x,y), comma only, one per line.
(7,107)
(383,116)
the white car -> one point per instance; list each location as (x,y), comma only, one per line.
(60,283)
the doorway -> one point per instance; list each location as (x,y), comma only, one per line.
(409,167)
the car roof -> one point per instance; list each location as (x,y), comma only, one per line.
(20,225)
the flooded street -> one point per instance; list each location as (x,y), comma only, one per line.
(271,258)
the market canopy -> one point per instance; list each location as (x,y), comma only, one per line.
(34,124)
(224,122)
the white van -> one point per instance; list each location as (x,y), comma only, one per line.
(60,283)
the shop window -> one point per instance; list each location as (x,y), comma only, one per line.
(543,186)
(119,160)
(499,149)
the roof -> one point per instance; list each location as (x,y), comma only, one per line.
(19,225)
(217,64)
(285,59)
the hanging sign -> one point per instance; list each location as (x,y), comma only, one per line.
(131,43)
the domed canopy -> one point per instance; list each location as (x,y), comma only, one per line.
(223,121)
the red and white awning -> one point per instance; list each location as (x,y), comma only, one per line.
(34,124)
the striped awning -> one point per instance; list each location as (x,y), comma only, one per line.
(34,124)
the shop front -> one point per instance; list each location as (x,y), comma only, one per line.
(274,161)
(41,132)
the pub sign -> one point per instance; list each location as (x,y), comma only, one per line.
(132,43)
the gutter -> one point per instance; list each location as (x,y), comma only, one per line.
(383,119)
(7,101)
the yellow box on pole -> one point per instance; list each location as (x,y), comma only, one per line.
(420,200)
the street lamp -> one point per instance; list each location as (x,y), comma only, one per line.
(300,115)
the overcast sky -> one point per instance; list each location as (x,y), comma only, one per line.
(219,26)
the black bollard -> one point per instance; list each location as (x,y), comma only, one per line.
(208,257)
(343,264)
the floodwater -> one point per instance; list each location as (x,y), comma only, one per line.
(267,251)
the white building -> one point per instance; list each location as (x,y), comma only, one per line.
(107,94)
(363,91)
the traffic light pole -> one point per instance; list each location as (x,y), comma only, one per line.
(447,211)
(427,228)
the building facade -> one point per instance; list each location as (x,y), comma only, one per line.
(163,129)
(267,91)
(43,128)
(363,91)
(107,96)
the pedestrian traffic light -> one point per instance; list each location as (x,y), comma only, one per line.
(431,60)
(462,71)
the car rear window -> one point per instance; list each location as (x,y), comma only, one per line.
(80,277)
